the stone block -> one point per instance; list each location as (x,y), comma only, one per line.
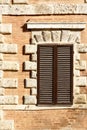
(30,49)
(82,48)
(47,8)
(34,57)
(34,74)
(64,8)
(0,18)
(55,25)
(76,90)
(8,48)
(30,65)
(34,91)
(2,91)
(81,81)
(31,83)
(77,73)
(43,9)
(5,1)
(56,35)
(9,100)
(20,1)
(1,57)
(37,37)
(77,56)
(80,99)
(9,65)
(1,74)
(75,36)
(6,28)
(1,115)
(47,36)
(9,83)
(80,65)
(30,100)
(7,125)
(65,35)
(2,38)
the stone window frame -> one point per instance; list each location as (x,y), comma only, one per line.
(70,33)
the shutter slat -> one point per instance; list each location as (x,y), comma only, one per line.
(64,74)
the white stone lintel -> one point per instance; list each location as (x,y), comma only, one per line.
(54,25)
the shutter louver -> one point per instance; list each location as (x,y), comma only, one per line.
(45,70)
(64,74)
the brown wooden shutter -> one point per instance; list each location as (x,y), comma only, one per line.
(64,74)
(45,74)
(55,74)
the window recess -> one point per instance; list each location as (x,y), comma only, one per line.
(55,74)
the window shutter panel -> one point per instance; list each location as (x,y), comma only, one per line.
(64,74)
(45,74)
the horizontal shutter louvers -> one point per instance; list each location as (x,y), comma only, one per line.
(64,74)
(45,74)
(55,74)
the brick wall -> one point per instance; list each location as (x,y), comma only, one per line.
(18,60)
(69,119)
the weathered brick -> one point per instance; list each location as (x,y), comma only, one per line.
(2,91)
(9,65)
(5,1)
(1,73)
(1,57)
(7,125)
(0,18)
(30,65)
(31,83)
(81,81)
(30,49)
(30,100)
(8,48)
(9,100)
(20,1)
(80,65)
(80,99)
(1,115)
(9,83)
(6,28)
(2,38)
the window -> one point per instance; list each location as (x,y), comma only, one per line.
(55,74)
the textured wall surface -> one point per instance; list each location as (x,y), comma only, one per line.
(20,34)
